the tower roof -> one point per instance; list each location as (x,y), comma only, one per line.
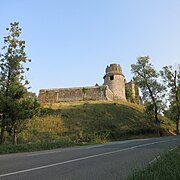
(113,69)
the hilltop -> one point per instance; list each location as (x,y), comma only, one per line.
(92,121)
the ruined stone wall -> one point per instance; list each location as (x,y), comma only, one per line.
(74,94)
(132,92)
(109,94)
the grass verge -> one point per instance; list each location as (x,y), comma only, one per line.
(5,149)
(166,168)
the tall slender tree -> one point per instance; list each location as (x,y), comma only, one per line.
(146,78)
(171,77)
(13,85)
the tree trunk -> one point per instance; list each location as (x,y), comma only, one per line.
(2,138)
(177,126)
(177,116)
(15,135)
(158,122)
(177,101)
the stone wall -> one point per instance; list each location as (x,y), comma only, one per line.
(109,94)
(75,94)
(133,91)
(113,88)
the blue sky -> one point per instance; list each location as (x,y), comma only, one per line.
(71,42)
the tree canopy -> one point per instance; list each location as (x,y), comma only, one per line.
(171,77)
(17,104)
(146,77)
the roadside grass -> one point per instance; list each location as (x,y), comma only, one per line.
(9,148)
(48,145)
(165,168)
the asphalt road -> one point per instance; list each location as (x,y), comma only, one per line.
(109,161)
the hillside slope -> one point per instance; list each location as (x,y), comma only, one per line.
(92,121)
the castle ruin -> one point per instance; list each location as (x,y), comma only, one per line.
(113,88)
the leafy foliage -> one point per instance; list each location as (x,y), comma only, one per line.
(16,104)
(171,78)
(153,92)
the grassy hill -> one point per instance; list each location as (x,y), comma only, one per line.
(91,121)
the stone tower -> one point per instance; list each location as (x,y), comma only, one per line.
(115,80)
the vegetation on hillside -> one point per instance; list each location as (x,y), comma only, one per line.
(91,121)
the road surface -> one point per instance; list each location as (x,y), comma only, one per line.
(108,161)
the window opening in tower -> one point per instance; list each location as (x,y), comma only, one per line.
(111,78)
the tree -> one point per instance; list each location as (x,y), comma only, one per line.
(171,77)
(152,91)
(170,112)
(16,103)
(21,110)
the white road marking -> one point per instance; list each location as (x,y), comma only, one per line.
(43,153)
(173,148)
(52,151)
(95,146)
(156,158)
(83,158)
(115,143)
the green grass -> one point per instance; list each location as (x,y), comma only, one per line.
(68,123)
(165,168)
(91,121)
(5,149)
(102,120)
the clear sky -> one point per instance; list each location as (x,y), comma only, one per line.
(71,42)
